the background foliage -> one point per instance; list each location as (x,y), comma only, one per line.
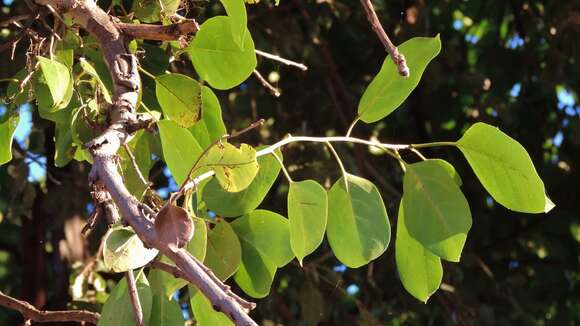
(513,64)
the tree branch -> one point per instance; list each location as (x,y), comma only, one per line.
(159,32)
(31,313)
(134,295)
(123,123)
(397,57)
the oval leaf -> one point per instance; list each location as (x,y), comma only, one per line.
(436,211)
(358,228)
(234,168)
(419,269)
(265,240)
(236,10)
(165,312)
(504,168)
(224,252)
(124,250)
(204,313)
(388,89)
(57,79)
(232,204)
(307,214)
(180,149)
(216,56)
(180,98)
(174,226)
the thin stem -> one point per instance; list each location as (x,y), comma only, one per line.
(434,144)
(283,167)
(418,154)
(351,127)
(134,295)
(135,165)
(282,60)
(339,161)
(266,84)
(147,73)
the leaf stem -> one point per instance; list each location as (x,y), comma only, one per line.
(434,144)
(147,73)
(351,127)
(339,161)
(283,167)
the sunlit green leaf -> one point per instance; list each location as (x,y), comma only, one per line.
(235,168)
(231,204)
(203,311)
(436,212)
(217,58)
(388,89)
(180,149)
(236,10)
(165,312)
(90,70)
(124,250)
(358,228)
(211,126)
(419,269)
(504,168)
(54,86)
(180,98)
(307,214)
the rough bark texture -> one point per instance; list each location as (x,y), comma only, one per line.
(123,123)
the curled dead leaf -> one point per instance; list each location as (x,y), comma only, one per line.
(174,226)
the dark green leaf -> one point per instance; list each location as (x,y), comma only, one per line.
(224,253)
(165,312)
(7,128)
(203,311)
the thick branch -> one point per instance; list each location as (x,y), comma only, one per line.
(31,313)
(397,57)
(123,123)
(159,32)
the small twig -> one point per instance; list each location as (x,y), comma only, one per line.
(42,316)
(254,125)
(265,83)
(421,156)
(282,60)
(134,295)
(159,32)
(397,57)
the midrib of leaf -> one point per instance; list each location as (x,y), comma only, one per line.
(437,210)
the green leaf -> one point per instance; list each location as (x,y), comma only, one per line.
(436,212)
(147,11)
(265,240)
(180,149)
(307,214)
(236,10)
(124,250)
(170,7)
(504,168)
(217,58)
(388,89)
(139,146)
(165,312)
(59,87)
(14,93)
(419,269)
(211,126)
(180,98)
(118,310)
(7,128)
(232,204)
(224,253)
(90,70)
(358,228)
(235,168)
(203,311)
(63,143)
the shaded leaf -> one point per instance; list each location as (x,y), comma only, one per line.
(224,252)
(203,311)
(419,269)
(358,228)
(118,310)
(165,312)
(7,129)
(436,211)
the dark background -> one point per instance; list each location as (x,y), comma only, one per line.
(513,64)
